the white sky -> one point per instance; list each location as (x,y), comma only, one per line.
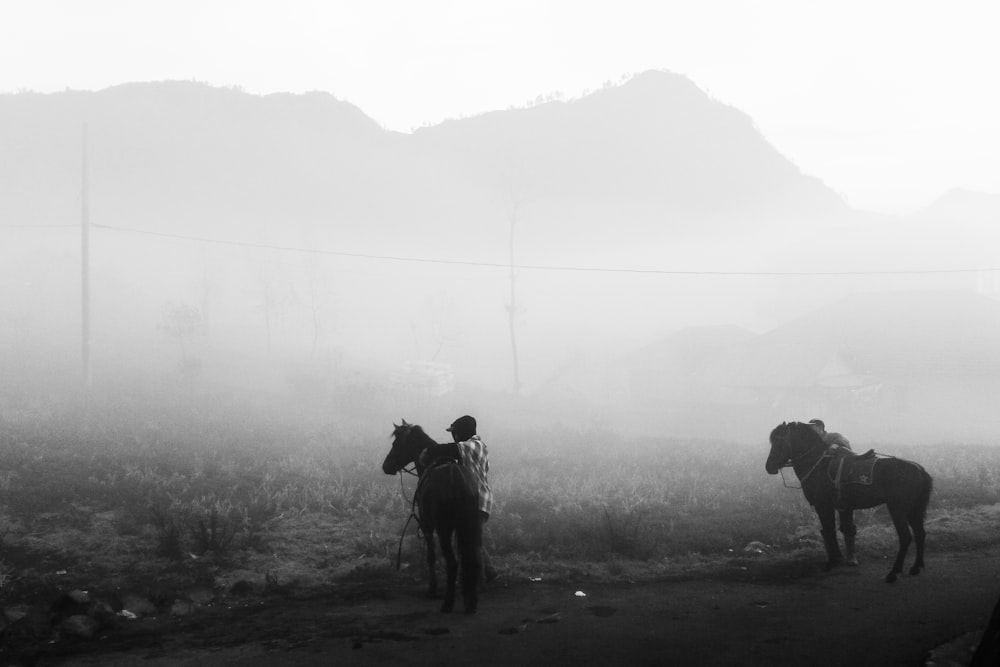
(891,103)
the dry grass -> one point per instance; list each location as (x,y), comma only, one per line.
(124,498)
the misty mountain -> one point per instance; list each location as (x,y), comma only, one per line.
(180,156)
(653,159)
(951,244)
(652,173)
(914,364)
(939,333)
(960,206)
(962,222)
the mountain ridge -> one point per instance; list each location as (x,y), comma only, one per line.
(665,140)
(182,156)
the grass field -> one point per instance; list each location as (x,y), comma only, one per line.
(153,495)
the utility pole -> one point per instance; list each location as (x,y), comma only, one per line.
(85,266)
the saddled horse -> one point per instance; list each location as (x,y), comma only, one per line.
(447,503)
(904,487)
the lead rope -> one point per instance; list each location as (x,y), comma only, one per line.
(791,464)
(785,481)
(413,514)
(804,477)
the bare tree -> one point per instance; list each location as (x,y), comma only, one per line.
(441,311)
(183,322)
(274,295)
(316,299)
(512,308)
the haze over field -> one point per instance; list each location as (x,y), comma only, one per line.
(658,250)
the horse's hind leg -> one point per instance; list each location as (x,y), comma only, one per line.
(451,569)
(850,531)
(903,531)
(431,565)
(470,551)
(919,534)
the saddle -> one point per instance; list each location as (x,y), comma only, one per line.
(848,469)
(441,461)
(429,459)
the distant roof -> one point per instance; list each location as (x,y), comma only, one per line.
(689,346)
(859,341)
(784,365)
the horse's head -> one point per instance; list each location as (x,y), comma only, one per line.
(408,440)
(780,444)
(789,442)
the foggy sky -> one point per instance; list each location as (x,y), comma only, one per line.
(855,100)
(891,103)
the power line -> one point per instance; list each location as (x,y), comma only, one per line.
(541,267)
(38,226)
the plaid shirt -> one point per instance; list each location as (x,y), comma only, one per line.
(475,457)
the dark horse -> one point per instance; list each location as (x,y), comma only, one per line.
(447,503)
(902,486)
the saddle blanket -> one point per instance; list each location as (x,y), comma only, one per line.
(854,471)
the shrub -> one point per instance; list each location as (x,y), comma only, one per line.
(168,533)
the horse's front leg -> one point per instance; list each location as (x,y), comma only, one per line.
(431,565)
(919,535)
(828,529)
(850,530)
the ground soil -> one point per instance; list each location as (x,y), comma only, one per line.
(766,611)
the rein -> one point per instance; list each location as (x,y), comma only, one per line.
(413,515)
(811,470)
(402,491)
(413,508)
(792,461)
(417,472)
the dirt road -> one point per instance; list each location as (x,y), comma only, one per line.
(764,612)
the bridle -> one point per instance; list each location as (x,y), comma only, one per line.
(791,461)
(411,467)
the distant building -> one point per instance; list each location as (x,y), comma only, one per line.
(427,378)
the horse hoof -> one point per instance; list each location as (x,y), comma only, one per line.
(852,561)
(890,578)
(915,570)
(829,566)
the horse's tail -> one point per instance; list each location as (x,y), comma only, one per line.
(924,498)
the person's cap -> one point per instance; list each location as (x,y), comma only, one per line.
(465,424)
(817,422)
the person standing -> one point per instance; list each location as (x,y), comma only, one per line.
(474,455)
(470,451)
(837,442)
(840,447)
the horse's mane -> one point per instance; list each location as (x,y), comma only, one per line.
(808,430)
(412,431)
(800,429)
(397,429)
